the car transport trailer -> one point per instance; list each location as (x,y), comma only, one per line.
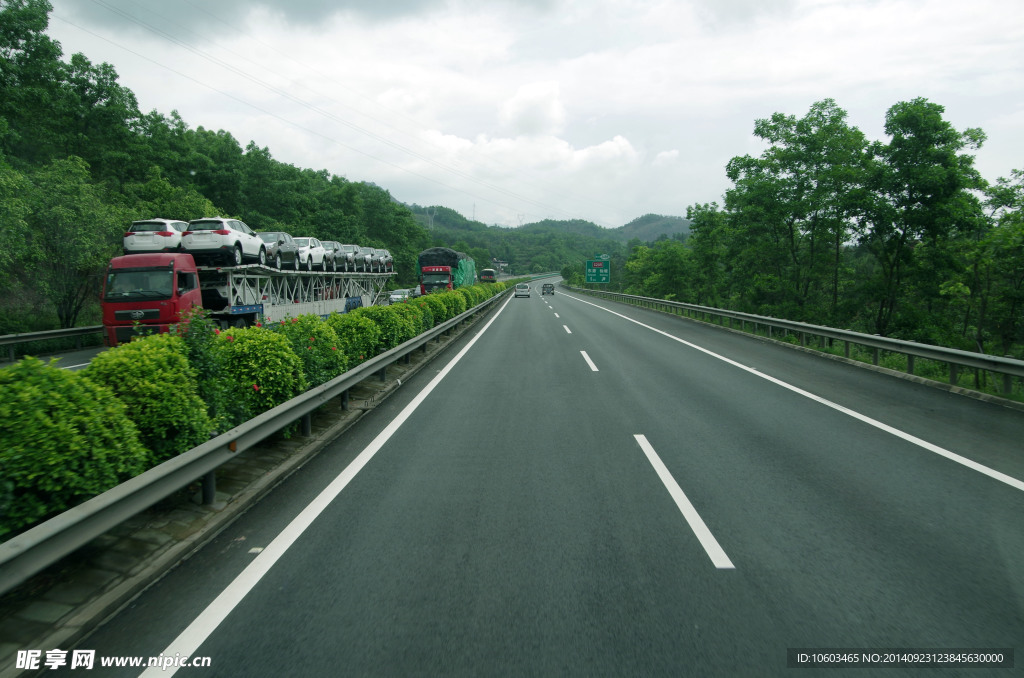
(145,293)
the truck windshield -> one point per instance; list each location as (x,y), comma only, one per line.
(436,278)
(127,284)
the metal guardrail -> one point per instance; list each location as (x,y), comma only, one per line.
(1008,368)
(29,552)
(10,340)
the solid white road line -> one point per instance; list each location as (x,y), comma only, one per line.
(707,540)
(71,367)
(186,644)
(590,362)
(567,330)
(941,451)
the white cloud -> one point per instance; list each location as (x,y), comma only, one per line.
(559,108)
(666,158)
(536,109)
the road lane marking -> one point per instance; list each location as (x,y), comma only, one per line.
(914,440)
(557,316)
(700,529)
(590,362)
(216,612)
(567,330)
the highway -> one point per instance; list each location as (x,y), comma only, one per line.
(592,489)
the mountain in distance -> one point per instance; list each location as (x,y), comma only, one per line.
(647,228)
(651,227)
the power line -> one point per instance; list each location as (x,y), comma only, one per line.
(316,109)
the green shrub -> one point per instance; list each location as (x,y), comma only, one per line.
(263,370)
(152,377)
(428,312)
(438,309)
(316,344)
(65,439)
(394,326)
(466,294)
(415,314)
(456,302)
(358,336)
(199,333)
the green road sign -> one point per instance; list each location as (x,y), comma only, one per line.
(599,271)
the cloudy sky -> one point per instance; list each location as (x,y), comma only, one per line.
(511,111)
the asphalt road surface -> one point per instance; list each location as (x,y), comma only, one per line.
(591,489)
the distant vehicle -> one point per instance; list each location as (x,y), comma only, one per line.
(229,241)
(488,275)
(442,268)
(522,290)
(281,249)
(398,296)
(154,235)
(547,288)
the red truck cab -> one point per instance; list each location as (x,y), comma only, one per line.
(435,278)
(147,293)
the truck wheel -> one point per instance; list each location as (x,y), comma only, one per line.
(237,255)
(277,260)
(263,256)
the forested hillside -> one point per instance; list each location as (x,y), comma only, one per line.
(79,162)
(531,248)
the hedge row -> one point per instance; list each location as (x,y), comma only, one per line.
(68,436)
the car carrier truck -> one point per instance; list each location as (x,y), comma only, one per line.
(145,293)
(442,268)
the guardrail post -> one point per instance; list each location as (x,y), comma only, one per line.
(307,425)
(210,487)
(954,373)
(874,358)
(846,349)
(383,373)
(910,364)
(344,400)
(1007,382)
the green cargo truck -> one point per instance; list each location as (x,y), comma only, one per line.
(442,268)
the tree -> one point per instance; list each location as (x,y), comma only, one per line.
(708,232)
(31,74)
(791,210)
(100,120)
(157,197)
(72,233)
(918,190)
(14,211)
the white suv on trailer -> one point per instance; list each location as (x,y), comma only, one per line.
(227,240)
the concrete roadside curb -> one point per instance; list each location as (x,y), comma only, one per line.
(60,607)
